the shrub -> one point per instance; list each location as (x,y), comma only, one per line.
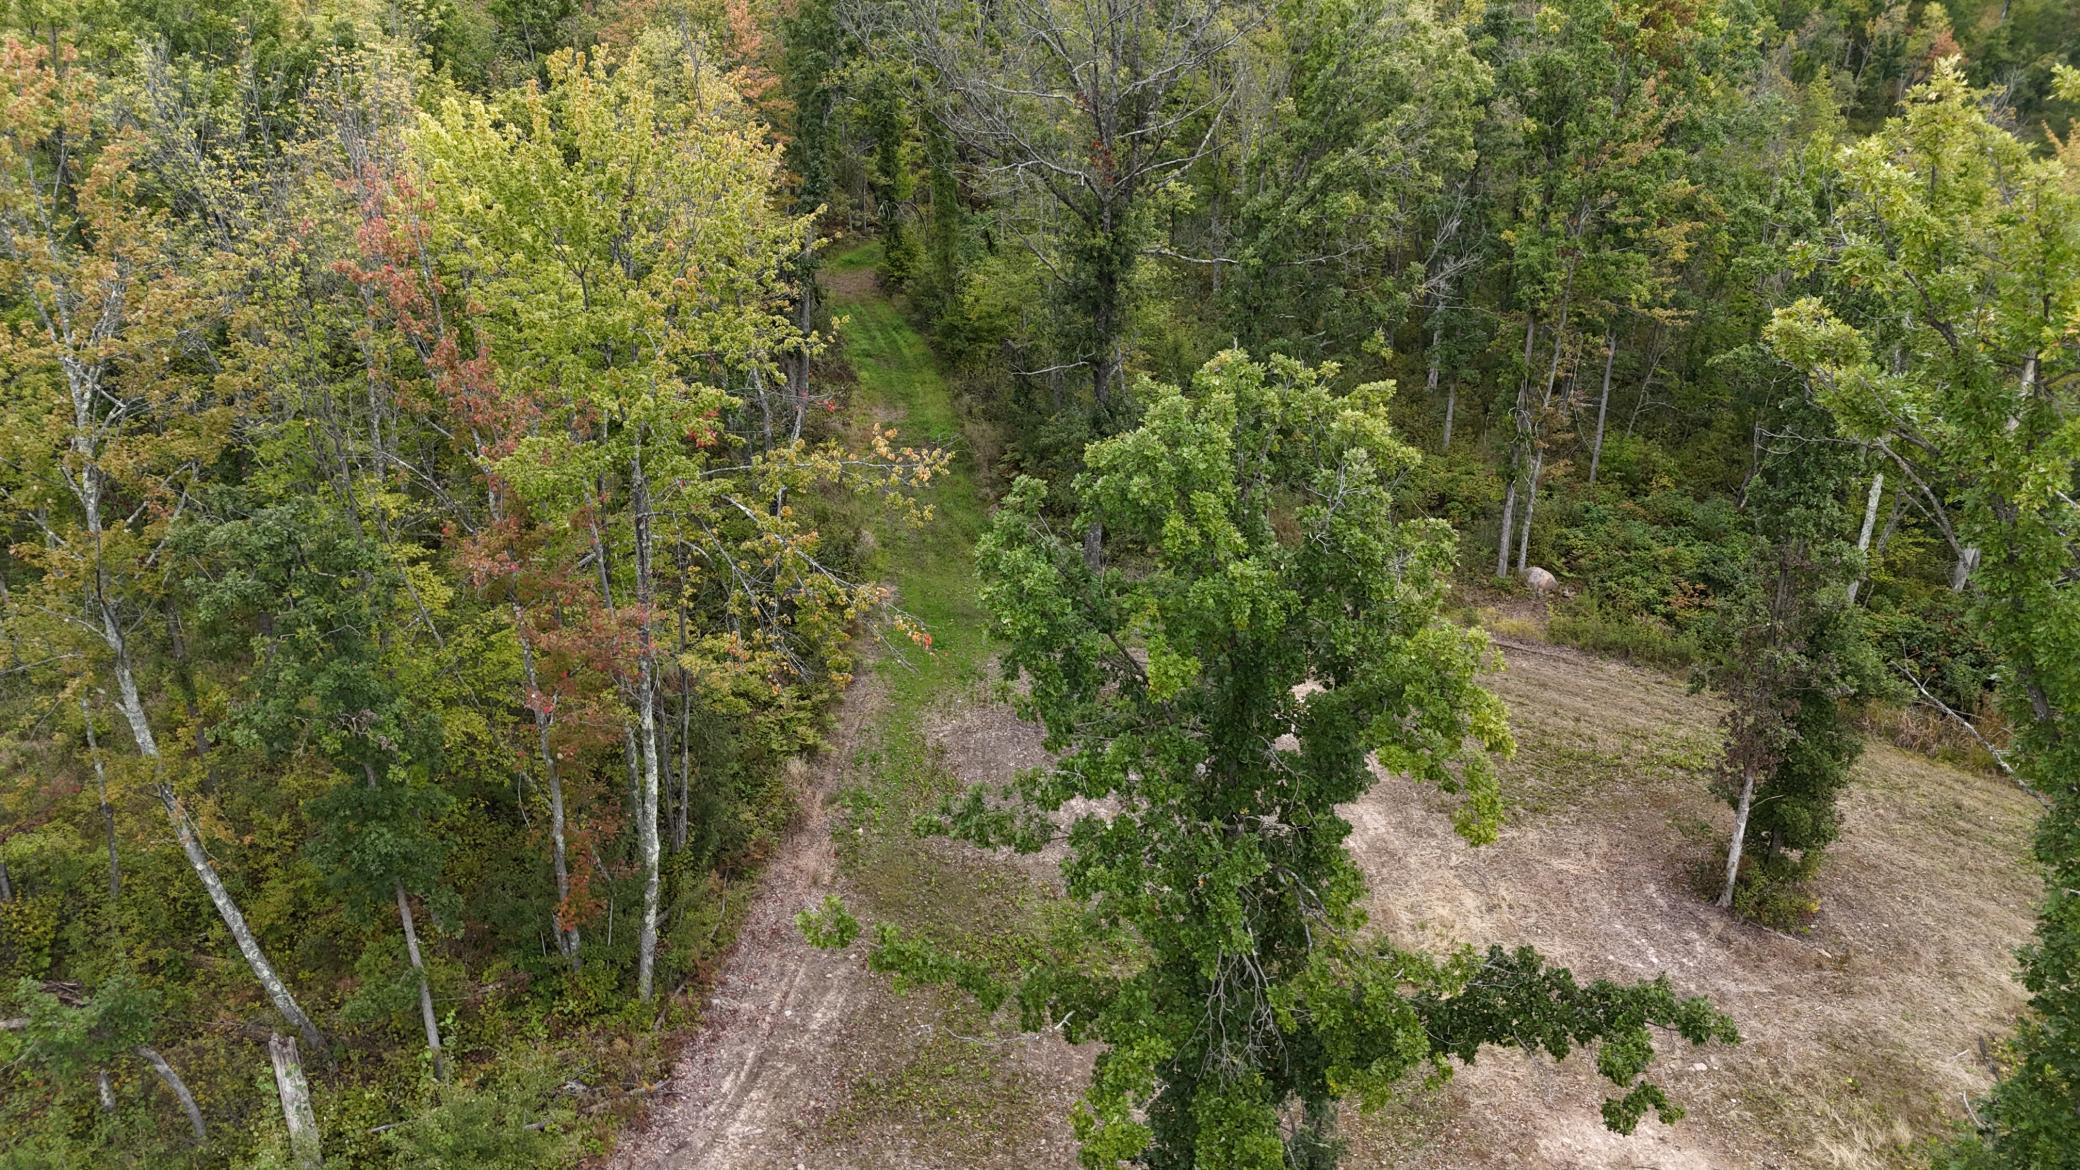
(1587,624)
(1775,890)
(514,1125)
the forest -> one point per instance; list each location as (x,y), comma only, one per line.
(1181,584)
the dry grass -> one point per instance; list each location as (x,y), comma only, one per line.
(1862,1036)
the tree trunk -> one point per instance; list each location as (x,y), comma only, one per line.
(1863,538)
(646,708)
(1899,506)
(178,1087)
(1740,834)
(106,1089)
(6,886)
(1603,403)
(235,921)
(108,812)
(681,814)
(1430,386)
(1520,418)
(295,1092)
(630,753)
(1509,510)
(1538,463)
(566,937)
(426,1016)
(191,845)
(1961,572)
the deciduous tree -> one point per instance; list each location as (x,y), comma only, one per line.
(1951,340)
(1271,630)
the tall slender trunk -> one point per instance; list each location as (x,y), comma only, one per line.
(132,708)
(426,1016)
(629,751)
(566,937)
(1740,836)
(1538,464)
(1529,431)
(6,886)
(1107,315)
(177,1086)
(1899,506)
(198,858)
(1509,509)
(1430,385)
(108,812)
(1520,418)
(295,1093)
(1863,538)
(646,708)
(681,814)
(1603,402)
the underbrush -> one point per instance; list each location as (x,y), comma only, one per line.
(1588,625)
(1925,731)
(1775,891)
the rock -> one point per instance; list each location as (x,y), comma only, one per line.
(1540,581)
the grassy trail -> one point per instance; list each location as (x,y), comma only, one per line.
(931,565)
(968,903)
(943,1086)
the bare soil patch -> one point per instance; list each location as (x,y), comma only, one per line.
(849,282)
(759,1063)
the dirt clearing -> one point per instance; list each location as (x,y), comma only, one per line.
(1862,1037)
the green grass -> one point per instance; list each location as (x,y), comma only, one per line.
(962,905)
(968,904)
(932,564)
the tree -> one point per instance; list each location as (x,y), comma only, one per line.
(1272,629)
(626,416)
(1088,108)
(1599,107)
(1949,341)
(1791,650)
(628,351)
(73,1038)
(1346,203)
(335,678)
(109,427)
